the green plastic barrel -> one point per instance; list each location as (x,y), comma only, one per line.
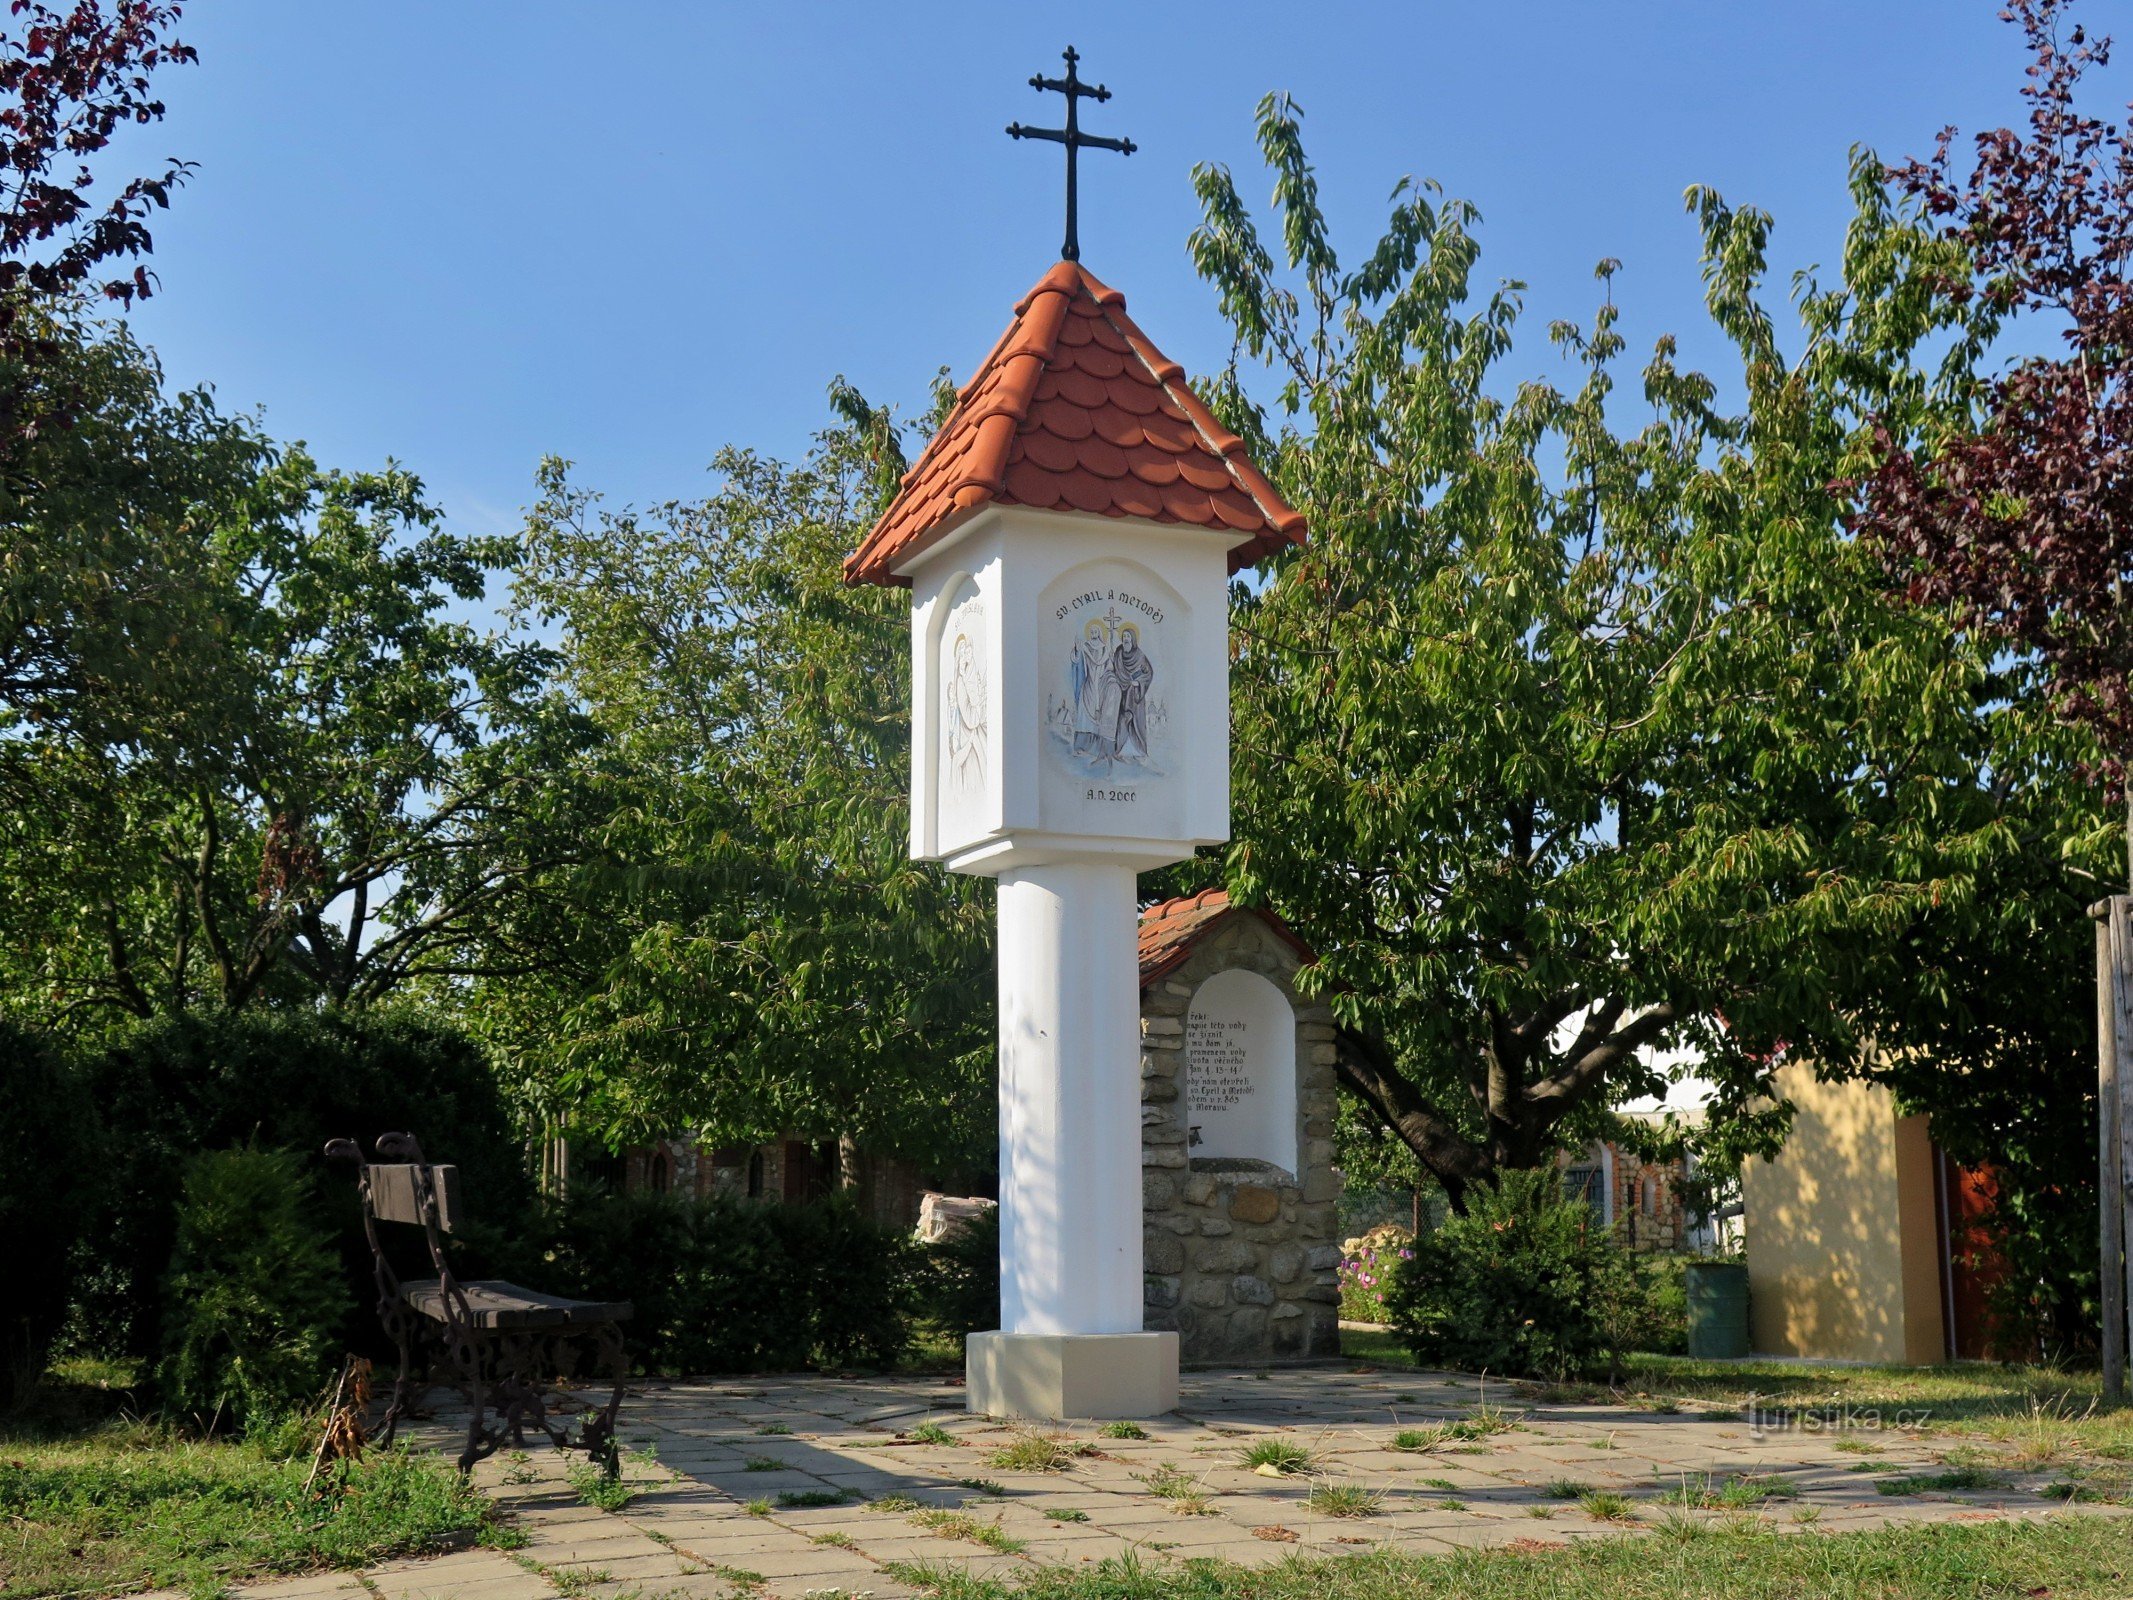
(1718,1310)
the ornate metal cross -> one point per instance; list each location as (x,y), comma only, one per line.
(1072,137)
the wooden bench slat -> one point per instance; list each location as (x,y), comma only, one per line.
(496,1304)
(395,1196)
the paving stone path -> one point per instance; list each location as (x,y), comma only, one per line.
(792,1485)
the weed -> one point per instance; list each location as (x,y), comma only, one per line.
(1186,1494)
(1541,1513)
(520,1468)
(932,1433)
(1123,1430)
(981,1486)
(1706,1492)
(758,1507)
(1565,1489)
(1279,1456)
(836,1541)
(1449,1503)
(773,1429)
(1956,1478)
(962,1525)
(1856,1447)
(1040,1452)
(1604,1505)
(893,1502)
(1344,1500)
(763,1464)
(1068,1515)
(1438,1483)
(812,1497)
(596,1488)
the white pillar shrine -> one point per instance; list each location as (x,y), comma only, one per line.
(1068,538)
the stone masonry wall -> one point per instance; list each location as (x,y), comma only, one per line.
(1240,1256)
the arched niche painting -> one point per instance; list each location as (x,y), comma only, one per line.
(1240,1071)
(966,754)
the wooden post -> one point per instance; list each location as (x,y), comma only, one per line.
(2111,999)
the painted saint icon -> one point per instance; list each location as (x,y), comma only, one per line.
(1107,711)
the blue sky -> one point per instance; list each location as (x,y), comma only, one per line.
(468,234)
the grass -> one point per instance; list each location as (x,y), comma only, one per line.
(2042,1413)
(1955,1478)
(813,1497)
(596,1488)
(1604,1505)
(962,1525)
(1068,1515)
(1706,1492)
(773,1429)
(1187,1495)
(1344,1500)
(763,1464)
(893,1502)
(1123,1430)
(982,1486)
(758,1507)
(1279,1456)
(1565,1489)
(135,1506)
(931,1433)
(1040,1452)
(2070,1558)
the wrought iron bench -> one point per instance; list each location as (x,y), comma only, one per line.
(500,1340)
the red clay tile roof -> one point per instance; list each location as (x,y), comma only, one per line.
(1075,410)
(1171,928)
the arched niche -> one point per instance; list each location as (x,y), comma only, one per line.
(1240,1071)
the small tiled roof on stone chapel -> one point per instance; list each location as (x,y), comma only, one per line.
(1171,929)
(1075,410)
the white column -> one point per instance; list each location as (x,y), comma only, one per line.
(1070,1104)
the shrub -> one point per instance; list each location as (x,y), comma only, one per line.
(1527,1283)
(253,1299)
(1368,1266)
(47,1125)
(961,1276)
(722,1284)
(174,1087)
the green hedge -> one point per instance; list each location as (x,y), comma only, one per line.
(728,1285)
(48,1168)
(253,1301)
(174,1088)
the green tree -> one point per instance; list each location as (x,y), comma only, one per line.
(748,948)
(248,747)
(1568,737)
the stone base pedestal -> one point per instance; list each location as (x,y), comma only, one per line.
(1054,1377)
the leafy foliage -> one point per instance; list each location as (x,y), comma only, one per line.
(1572,738)
(172,1088)
(2021,518)
(47,1129)
(254,1297)
(748,947)
(71,77)
(961,1276)
(1526,1283)
(251,753)
(725,1285)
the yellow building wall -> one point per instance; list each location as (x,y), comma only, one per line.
(1842,1230)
